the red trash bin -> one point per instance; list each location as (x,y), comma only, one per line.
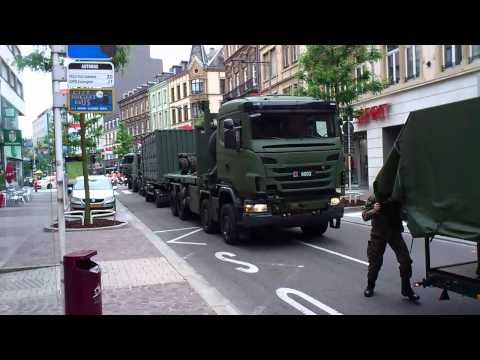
(83,287)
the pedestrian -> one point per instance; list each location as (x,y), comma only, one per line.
(387,228)
(35,184)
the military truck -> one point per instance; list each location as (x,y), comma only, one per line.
(125,167)
(263,161)
(158,157)
(432,171)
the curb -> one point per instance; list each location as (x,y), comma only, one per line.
(220,304)
(52,229)
(25,268)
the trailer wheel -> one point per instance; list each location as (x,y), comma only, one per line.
(208,225)
(183,208)
(173,203)
(228,225)
(312,230)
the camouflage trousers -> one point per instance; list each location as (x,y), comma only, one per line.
(376,249)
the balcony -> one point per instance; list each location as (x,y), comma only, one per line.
(243,89)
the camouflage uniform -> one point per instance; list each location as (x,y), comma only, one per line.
(387,228)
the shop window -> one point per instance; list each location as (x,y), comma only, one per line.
(412,61)
(393,64)
(452,55)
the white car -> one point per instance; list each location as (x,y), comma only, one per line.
(102,193)
(48,182)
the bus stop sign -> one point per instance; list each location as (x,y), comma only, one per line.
(90,52)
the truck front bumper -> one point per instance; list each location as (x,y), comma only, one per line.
(268,219)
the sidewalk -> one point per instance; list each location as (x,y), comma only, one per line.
(137,278)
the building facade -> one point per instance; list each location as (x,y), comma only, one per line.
(135,111)
(279,68)
(418,77)
(159,103)
(242,70)
(12,105)
(40,126)
(141,68)
(201,78)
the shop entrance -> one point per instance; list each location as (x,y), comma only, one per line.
(359,159)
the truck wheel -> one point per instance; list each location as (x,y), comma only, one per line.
(157,198)
(141,190)
(148,197)
(208,225)
(135,186)
(228,225)
(129,183)
(183,208)
(173,203)
(312,230)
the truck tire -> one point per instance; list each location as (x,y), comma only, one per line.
(228,225)
(148,197)
(173,203)
(183,207)
(135,186)
(157,197)
(141,189)
(208,225)
(129,184)
(312,230)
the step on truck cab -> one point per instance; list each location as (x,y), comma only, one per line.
(264,161)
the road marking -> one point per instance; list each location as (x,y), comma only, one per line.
(251,269)
(128,192)
(188,228)
(283,293)
(335,253)
(285,265)
(174,241)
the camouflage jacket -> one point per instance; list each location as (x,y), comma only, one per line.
(389,215)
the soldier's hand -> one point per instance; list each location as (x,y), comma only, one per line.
(377,207)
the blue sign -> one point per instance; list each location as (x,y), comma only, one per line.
(90,51)
(90,101)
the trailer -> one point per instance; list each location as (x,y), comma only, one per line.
(432,170)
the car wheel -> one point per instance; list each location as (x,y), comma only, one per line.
(315,230)
(173,203)
(208,225)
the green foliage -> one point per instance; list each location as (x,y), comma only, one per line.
(124,143)
(328,72)
(199,121)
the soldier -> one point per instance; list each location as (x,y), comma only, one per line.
(387,228)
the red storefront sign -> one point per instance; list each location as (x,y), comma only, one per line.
(74,125)
(378,112)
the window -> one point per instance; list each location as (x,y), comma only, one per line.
(3,70)
(273,59)
(141,107)
(160,121)
(237,79)
(269,63)
(11,79)
(136,110)
(196,111)
(393,64)
(179,114)
(184,89)
(412,61)
(142,128)
(146,105)
(254,74)
(285,56)
(178,92)
(474,52)
(230,82)
(197,86)
(452,55)
(185,112)
(295,50)
(153,101)
(158,99)
(19,89)
(222,86)
(245,78)
(174,118)
(359,72)
(172,94)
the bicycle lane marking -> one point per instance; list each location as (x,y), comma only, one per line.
(283,293)
(335,253)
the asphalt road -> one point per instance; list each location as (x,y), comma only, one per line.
(282,272)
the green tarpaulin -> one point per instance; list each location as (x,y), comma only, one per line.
(434,170)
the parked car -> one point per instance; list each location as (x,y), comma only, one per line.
(102,193)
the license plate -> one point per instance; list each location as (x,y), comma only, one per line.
(299,173)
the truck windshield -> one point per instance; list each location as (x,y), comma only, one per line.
(127,160)
(293,125)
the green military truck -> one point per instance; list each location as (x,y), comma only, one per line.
(433,171)
(159,156)
(265,161)
(125,168)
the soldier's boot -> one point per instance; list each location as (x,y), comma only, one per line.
(408,291)
(369,289)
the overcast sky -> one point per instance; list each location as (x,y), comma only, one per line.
(38,86)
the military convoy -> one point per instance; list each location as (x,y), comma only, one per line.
(259,162)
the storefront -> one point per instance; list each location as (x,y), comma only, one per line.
(11,158)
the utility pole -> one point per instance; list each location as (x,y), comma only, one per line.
(58,74)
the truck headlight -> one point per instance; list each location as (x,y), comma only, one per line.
(334,201)
(255,208)
(76,200)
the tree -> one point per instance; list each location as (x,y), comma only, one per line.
(41,60)
(329,72)
(124,143)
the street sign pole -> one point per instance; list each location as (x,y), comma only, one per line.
(57,120)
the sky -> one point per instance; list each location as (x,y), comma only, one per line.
(38,86)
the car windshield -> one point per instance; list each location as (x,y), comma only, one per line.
(94,184)
(293,125)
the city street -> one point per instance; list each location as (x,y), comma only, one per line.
(282,272)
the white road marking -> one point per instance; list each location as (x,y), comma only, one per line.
(335,253)
(188,228)
(175,241)
(128,192)
(285,265)
(283,293)
(223,256)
